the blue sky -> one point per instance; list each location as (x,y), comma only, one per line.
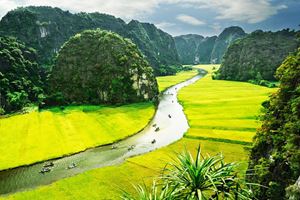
(205,17)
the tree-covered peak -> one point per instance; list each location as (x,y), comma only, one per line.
(97,66)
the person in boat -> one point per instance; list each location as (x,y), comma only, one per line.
(131,148)
(157,129)
(169,116)
(153,141)
(50,164)
(71,166)
(154,125)
(45,169)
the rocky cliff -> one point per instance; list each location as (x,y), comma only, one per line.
(224,40)
(196,49)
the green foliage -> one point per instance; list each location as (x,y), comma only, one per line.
(100,67)
(275,156)
(154,193)
(199,178)
(293,192)
(47,29)
(257,56)
(19,76)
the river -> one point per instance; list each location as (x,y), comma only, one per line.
(167,126)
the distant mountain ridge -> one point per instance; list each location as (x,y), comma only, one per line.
(196,49)
(46,29)
(257,56)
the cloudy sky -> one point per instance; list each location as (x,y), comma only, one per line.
(205,17)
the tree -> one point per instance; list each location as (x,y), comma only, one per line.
(275,156)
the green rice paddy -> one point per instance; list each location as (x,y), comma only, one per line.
(223,110)
(165,82)
(38,136)
(222,117)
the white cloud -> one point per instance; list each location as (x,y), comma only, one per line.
(6,5)
(190,20)
(121,8)
(164,25)
(216,26)
(250,11)
(246,10)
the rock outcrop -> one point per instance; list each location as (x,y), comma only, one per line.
(196,49)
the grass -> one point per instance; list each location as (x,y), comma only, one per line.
(222,115)
(224,110)
(38,136)
(165,82)
(107,183)
(52,133)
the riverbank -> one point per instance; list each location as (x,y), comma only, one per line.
(108,182)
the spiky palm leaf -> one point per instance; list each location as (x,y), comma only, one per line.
(204,178)
(156,192)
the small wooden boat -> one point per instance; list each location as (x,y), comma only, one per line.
(153,141)
(131,147)
(50,164)
(45,170)
(71,166)
(157,129)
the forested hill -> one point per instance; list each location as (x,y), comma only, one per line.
(196,49)
(257,56)
(47,28)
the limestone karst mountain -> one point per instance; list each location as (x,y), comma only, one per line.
(97,66)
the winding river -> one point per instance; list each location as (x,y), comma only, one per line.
(167,126)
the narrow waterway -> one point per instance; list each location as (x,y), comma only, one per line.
(168,125)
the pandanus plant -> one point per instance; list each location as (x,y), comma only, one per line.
(203,178)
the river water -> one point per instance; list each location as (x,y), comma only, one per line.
(167,126)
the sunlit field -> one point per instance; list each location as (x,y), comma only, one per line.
(223,110)
(109,182)
(52,133)
(199,103)
(167,81)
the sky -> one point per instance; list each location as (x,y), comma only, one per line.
(178,17)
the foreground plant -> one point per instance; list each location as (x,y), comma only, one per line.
(199,178)
(154,193)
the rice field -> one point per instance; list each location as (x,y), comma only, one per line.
(165,82)
(223,110)
(52,133)
(222,117)
(109,182)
